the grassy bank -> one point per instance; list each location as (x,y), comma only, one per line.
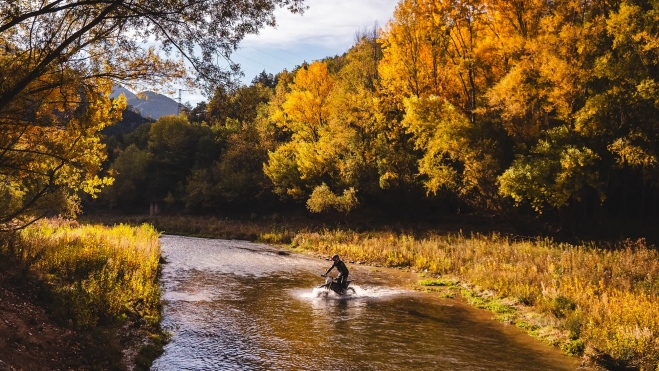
(271,231)
(97,280)
(587,300)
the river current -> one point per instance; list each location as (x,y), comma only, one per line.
(235,305)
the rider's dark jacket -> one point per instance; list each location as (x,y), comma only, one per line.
(341,267)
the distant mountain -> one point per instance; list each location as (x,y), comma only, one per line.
(152,105)
(130,121)
(117,90)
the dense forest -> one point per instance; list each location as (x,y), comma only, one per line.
(540,111)
(498,108)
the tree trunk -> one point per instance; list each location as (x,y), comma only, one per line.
(625,192)
(642,211)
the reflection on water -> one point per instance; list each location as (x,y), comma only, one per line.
(234,305)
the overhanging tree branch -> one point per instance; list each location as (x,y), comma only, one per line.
(7,96)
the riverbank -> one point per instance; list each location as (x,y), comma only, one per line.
(595,302)
(79,297)
(599,302)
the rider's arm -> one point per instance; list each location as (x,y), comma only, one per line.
(330,268)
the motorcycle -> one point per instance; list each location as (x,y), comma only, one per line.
(332,284)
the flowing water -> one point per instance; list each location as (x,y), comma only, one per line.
(234,305)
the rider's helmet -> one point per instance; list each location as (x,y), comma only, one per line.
(335,258)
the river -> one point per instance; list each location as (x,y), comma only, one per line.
(235,305)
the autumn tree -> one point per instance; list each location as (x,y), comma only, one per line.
(300,165)
(56,151)
(388,157)
(341,142)
(563,91)
(539,99)
(438,64)
(579,101)
(619,115)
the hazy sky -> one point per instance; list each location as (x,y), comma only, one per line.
(327,28)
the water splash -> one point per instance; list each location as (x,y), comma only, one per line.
(359,292)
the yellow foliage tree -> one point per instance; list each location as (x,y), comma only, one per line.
(316,141)
(331,121)
(439,60)
(50,148)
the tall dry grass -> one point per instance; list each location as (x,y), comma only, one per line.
(601,300)
(269,231)
(95,274)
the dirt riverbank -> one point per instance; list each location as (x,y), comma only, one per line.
(32,340)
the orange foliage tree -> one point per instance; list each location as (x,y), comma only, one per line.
(544,102)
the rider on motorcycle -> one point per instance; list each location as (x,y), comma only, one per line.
(341,267)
